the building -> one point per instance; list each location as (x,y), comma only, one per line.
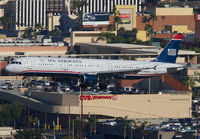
(47,12)
(30,12)
(95,6)
(6,9)
(197,26)
(2,8)
(168,20)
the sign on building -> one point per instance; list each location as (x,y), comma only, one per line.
(197,17)
(125,17)
(96,97)
(95,19)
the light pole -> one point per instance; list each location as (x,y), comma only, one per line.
(29,94)
(149,89)
(149,108)
(54,134)
(82,126)
(69,124)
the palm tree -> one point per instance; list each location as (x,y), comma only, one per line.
(39,27)
(149,31)
(6,21)
(106,36)
(28,134)
(78,6)
(28,33)
(163,18)
(153,18)
(189,82)
(145,20)
(132,125)
(117,19)
(125,123)
(55,32)
(134,31)
(91,123)
(142,126)
(77,126)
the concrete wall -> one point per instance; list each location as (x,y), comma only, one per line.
(133,106)
(180,29)
(86,37)
(141,35)
(56,98)
(36,50)
(142,106)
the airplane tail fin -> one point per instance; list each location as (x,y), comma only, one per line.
(170,52)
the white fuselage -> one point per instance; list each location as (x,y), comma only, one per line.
(49,65)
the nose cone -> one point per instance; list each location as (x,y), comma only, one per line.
(9,68)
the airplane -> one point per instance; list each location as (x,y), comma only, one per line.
(88,71)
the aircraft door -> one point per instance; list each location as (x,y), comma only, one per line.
(110,67)
(65,66)
(29,63)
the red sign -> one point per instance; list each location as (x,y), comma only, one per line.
(93,97)
(125,15)
(197,17)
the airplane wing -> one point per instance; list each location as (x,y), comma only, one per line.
(117,71)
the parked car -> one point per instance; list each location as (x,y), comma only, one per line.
(10,87)
(4,86)
(20,86)
(8,82)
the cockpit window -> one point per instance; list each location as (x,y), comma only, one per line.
(16,62)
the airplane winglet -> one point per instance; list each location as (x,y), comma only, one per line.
(177,37)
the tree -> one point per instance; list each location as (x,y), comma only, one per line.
(106,36)
(148,26)
(117,19)
(145,20)
(134,31)
(6,20)
(9,113)
(149,31)
(28,134)
(153,18)
(124,122)
(91,123)
(78,6)
(33,120)
(77,127)
(55,32)
(33,32)
(38,29)
(141,127)
(189,82)
(28,33)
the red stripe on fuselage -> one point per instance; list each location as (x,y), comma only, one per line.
(46,71)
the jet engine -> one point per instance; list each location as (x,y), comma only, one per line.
(88,80)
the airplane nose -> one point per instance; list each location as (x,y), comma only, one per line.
(8,68)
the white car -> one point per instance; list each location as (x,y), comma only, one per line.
(4,86)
